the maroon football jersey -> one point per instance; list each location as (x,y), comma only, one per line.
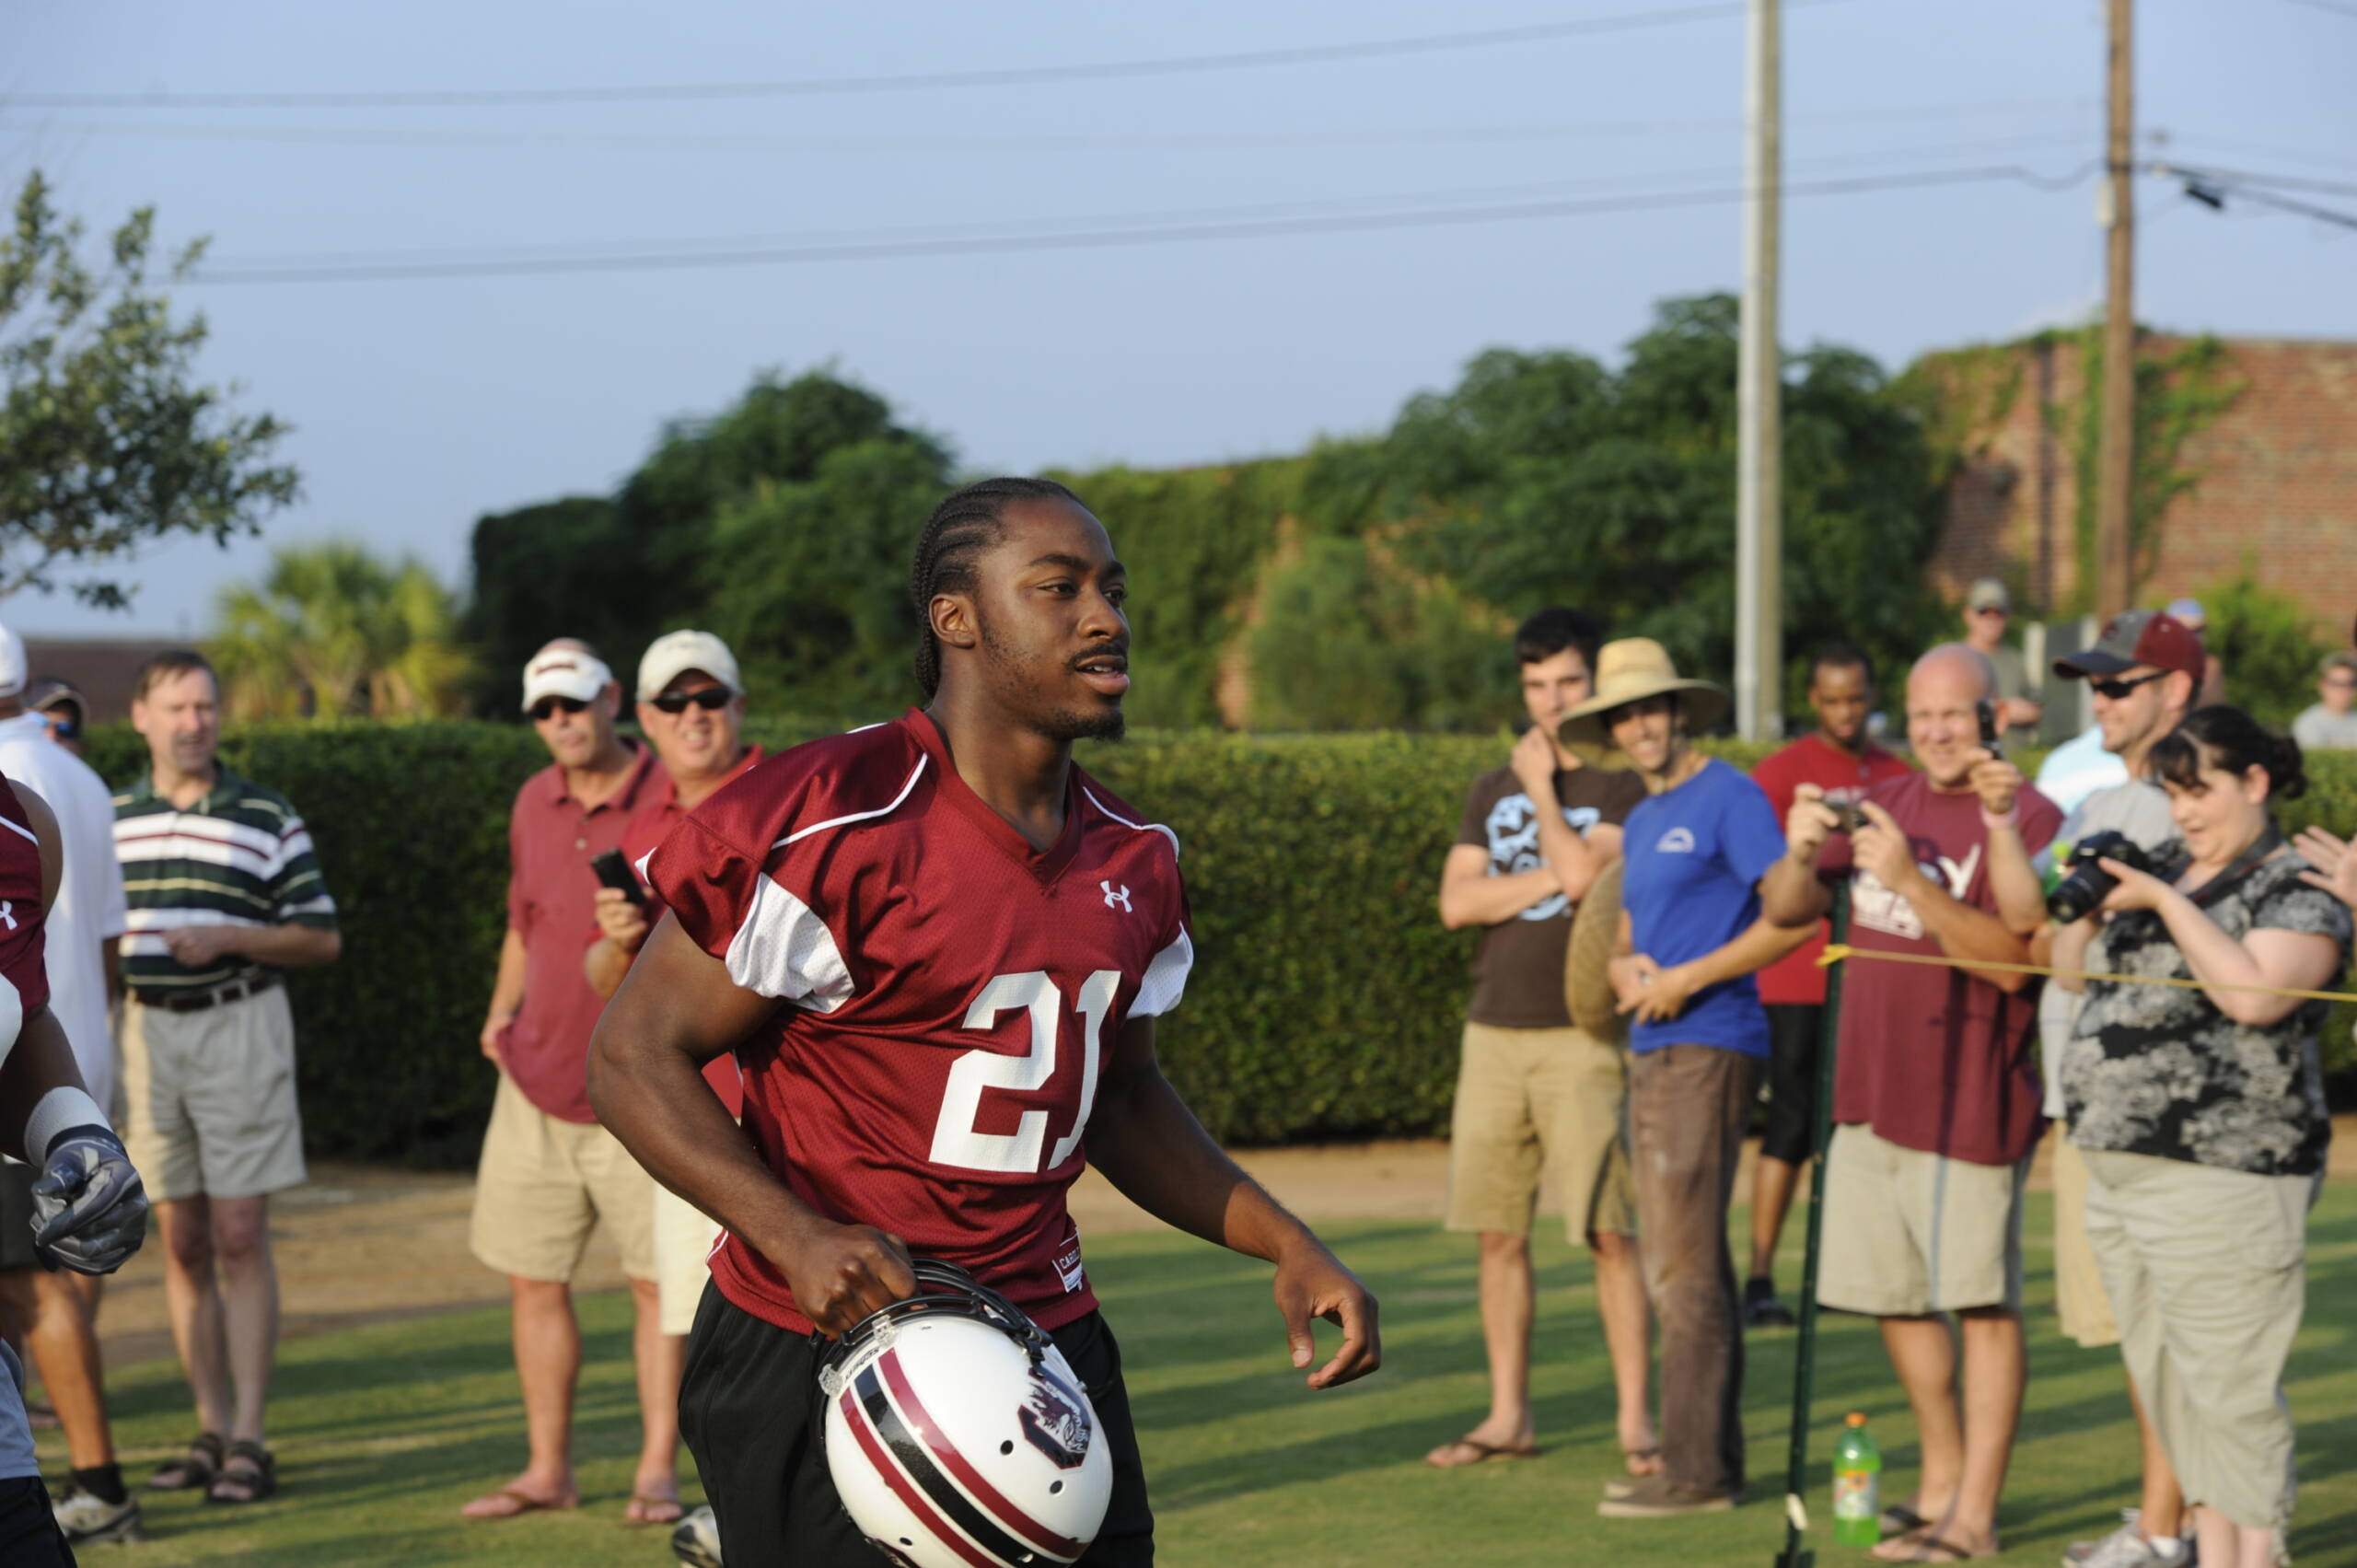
(952,995)
(23,949)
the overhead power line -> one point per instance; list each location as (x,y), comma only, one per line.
(820,248)
(915,81)
(1647,181)
(2248,177)
(1190,141)
(2214,188)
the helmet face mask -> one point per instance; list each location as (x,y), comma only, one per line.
(957,1436)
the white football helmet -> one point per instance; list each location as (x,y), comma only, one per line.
(957,1436)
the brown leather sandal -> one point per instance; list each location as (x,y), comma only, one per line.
(248,1475)
(194,1468)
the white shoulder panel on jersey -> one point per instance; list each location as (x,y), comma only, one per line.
(1166,978)
(800,833)
(784,950)
(1124,821)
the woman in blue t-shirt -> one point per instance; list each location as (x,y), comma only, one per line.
(1692,939)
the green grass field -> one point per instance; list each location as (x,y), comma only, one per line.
(383,1432)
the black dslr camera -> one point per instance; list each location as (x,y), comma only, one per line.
(2086,884)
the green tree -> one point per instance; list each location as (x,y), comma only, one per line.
(784,523)
(1545,477)
(564,568)
(334,633)
(1347,640)
(111,442)
(2267,642)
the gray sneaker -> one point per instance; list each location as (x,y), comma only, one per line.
(2128,1546)
(696,1543)
(85,1517)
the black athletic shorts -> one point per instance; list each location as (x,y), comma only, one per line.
(28,1534)
(751,1410)
(1795,1030)
(16,1215)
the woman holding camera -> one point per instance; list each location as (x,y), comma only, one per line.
(2201,1115)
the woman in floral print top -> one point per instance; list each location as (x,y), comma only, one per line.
(2201,1113)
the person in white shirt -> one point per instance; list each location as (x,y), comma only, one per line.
(54,1313)
(2332,723)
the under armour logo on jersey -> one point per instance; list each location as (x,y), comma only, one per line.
(1116,897)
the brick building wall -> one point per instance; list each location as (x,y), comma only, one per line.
(2277,486)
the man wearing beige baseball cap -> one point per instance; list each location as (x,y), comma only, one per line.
(550,1173)
(1695,849)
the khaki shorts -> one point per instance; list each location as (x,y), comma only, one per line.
(684,1238)
(542,1187)
(209,1099)
(1909,1233)
(2208,1270)
(2080,1299)
(1534,1099)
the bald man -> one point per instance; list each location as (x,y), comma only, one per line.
(1936,1095)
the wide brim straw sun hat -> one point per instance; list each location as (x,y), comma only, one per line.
(1629,671)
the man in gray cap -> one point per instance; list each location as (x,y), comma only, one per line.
(1988,612)
(2143,675)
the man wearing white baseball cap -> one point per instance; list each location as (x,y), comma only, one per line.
(550,1172)
(691,706)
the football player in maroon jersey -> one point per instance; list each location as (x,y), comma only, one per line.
(90,1208)
(937,947)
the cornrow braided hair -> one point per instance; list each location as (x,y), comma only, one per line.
(967,522)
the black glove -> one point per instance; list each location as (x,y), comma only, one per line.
(89,1206)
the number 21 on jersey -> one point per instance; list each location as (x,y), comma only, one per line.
(956,1140)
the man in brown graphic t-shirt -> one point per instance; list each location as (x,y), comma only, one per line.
(1533,1088)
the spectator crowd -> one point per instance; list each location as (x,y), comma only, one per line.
(1650,924)
(2001,948)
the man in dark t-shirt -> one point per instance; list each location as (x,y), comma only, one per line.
(1535,1089)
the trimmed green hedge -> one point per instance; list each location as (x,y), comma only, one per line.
(1325,999)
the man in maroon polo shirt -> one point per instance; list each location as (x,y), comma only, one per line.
(548,1171)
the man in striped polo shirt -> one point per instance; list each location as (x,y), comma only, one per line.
(224,892)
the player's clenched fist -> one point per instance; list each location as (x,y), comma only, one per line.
(843,1272)
(1311,1282)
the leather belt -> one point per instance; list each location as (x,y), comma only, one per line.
(197,1002)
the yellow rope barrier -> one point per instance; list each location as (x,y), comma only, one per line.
(1837,951)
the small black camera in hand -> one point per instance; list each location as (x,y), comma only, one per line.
(2088,882)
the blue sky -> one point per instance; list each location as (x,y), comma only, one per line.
(421,404)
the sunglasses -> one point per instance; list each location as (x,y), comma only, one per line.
(549,707)
(712,699)
(65,729)
(2116,689)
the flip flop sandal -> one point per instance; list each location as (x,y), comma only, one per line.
(194,1468)
(641,1502)
(1899,1520)
(257,1477)
(1641,1462)
(525,1504)
(1931,1549)
(1483,1452)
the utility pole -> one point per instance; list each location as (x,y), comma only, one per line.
(1760,441)
(2116,459)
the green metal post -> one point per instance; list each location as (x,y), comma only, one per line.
(1796,1553)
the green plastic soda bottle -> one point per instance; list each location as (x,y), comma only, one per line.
(1857,1486)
